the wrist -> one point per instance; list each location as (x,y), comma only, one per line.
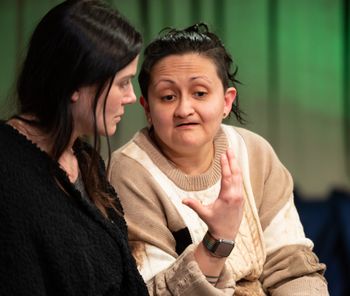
(217,247)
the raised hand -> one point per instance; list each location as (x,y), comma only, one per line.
(224,215)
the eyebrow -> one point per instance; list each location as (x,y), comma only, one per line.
(192,79)
(131,76)
(126,77)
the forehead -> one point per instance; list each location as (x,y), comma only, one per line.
(189,63)
(129,70)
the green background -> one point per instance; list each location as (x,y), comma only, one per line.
(293,58)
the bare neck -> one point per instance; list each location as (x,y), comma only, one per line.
(194,162)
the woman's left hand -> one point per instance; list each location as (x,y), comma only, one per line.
(224,215)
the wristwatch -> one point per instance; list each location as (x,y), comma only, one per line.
(218,247)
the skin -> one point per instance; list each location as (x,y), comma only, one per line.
(186,104)
(120,94)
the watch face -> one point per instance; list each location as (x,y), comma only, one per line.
(223,248)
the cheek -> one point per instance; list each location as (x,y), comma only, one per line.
(211,112)
(160,114)
(218,106)
(83,111)
(216,115)
(113,103)
(112,99)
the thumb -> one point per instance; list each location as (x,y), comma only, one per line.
(194,205)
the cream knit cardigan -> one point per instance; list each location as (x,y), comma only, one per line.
(272,254)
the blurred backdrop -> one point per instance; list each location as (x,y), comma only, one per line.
(294,64)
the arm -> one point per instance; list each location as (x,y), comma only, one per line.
(291,266)
(223,216)
(151,220)
(20,271)
(184,277)
(290,253)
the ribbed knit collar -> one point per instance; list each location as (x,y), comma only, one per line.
(183,181)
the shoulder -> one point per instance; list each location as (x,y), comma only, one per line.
(260,152)
(253,141)
(269,178)
(127,171)
(11,140)
(19,157)
(130,154)
(133,173)
(6,157)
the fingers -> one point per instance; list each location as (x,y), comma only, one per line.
(237,179)
(192,203)
(231,159)
(231,182)
(229,164)
(233,162)
(197,206)
(223,216)
(225,166)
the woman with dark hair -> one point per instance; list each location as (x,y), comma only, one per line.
(209,206)
(62,230)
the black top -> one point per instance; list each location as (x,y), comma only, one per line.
(54,243)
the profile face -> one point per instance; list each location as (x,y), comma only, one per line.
(186,102)
(120,94)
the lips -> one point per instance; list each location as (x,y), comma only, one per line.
(186,124)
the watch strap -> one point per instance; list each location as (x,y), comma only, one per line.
(220,248)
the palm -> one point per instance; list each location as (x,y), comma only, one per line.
(224,215)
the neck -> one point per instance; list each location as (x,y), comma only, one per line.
(67,160)
(69,164)
(31,132)
(194,162)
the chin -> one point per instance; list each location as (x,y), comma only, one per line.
(109,132)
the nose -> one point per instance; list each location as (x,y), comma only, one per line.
(130,97)
(184,107)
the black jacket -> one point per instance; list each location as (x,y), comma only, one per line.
(52,243)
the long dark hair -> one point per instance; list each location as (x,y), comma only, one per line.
(77,43)
(198,39)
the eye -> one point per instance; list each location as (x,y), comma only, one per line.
(168,98)
(200,94)
(124,84)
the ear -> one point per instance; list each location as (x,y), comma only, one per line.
(75,96)
(230,96)
(144,104)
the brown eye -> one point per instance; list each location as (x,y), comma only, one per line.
(168,98)
(200,94)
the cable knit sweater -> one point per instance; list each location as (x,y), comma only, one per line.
(52,243)
(272,256)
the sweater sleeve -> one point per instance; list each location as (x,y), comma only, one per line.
(291,267)
(20,270)
(151,220)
